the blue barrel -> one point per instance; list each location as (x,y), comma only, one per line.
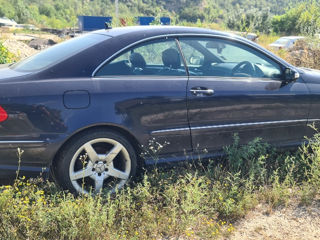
(165,20)
(145,20)
(91,23)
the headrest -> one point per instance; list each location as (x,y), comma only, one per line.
(137,60)
(171,58)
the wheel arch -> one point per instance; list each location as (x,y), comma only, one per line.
(126,133)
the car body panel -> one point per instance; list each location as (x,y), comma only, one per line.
(47,108)
(312,80)
(159,104)
(256,107)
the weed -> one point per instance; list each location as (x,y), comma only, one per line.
(5,55)
(190,200)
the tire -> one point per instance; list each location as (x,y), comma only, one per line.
(95,161)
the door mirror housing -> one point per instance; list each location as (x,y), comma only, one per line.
(216,45)
(195,60)
(290,75)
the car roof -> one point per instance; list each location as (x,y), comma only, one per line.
(149,31)
(135,34)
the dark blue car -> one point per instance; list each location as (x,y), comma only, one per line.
(86,109)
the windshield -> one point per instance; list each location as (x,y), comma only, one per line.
(58,53)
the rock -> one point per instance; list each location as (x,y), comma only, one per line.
(39,43)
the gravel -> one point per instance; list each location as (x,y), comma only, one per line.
(293,222)
(20,49)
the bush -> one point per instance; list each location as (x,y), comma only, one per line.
(305,53)
(303,19)
(5,55)
(188,201)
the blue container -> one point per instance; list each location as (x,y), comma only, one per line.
(91,23)
(145,20)
(165,20)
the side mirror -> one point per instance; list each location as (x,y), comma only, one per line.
(291,75)
(216,45)
(195,60)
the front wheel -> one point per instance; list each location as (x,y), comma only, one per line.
(96,161)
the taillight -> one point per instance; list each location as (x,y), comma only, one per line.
(3,114)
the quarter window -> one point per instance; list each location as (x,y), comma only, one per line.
(152,58)
(217,57)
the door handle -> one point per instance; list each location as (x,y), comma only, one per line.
(201,91)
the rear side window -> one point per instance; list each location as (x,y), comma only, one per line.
(58,53)
(160,57)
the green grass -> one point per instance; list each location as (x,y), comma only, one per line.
(189,200)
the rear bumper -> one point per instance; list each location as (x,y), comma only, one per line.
(34,159)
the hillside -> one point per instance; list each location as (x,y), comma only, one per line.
(60,14)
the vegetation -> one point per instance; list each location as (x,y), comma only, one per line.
(243,15)
(189,200)
(304,19)
(5,55)
(193,200)
(305,53)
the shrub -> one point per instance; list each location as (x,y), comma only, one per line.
(187,201)
(305,53)
(5,55)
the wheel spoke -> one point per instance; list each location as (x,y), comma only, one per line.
(93,156)
(113,153)
(81,174)
(98,157)
(98,183)
(117,173)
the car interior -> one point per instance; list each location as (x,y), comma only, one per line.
(224,59)
(204,58)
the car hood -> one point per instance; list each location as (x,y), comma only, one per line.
(310,75)
(6,73)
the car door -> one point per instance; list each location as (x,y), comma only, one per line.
(234,88)
(146,87)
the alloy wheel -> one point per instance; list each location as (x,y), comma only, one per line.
(100,164)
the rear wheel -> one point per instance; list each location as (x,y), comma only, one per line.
(96,161)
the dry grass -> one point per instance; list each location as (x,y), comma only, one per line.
(188,201)
(264,40)
(306,53)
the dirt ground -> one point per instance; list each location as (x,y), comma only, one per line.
(18,48)
(29,36)
(293,222)
(17,43)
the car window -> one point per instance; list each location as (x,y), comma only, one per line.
(58,53)
(193,56)
(217,57)
(161,57)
